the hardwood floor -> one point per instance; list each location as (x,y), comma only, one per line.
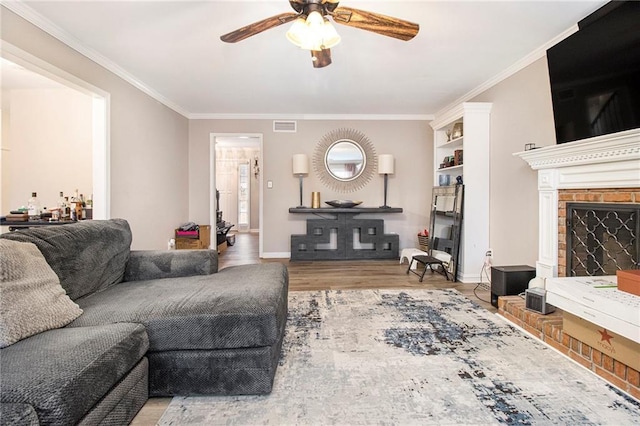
(322,275)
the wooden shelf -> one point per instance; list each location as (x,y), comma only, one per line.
(447,169)
(454,143)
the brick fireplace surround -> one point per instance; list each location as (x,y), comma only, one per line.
(609,195)
(603,169)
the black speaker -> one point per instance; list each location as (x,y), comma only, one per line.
(510,280)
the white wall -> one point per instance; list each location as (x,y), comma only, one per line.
(410,187)
(522,113)
(49,146)
(4,151)
(148,141)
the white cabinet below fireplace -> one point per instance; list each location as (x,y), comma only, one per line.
(597,300)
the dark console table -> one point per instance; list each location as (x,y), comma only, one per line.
(355,238)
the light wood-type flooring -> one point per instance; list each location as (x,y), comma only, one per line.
(322,275)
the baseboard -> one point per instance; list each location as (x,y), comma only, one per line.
(276,255)
(469,278)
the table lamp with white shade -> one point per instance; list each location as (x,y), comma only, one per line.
(300,169)
(385,167)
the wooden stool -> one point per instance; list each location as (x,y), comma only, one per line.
(429,261)
(408,253)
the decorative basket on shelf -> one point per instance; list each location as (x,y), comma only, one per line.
(423,241)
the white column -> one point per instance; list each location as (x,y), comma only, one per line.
(547,263)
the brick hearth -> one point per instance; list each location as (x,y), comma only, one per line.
(548,328)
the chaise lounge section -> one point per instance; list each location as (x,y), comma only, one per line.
(156,323)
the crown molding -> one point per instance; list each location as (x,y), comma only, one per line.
(27,13)
(352,117)
(459,111)
(616,147)
(538,53)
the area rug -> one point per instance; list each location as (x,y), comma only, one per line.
(421,357)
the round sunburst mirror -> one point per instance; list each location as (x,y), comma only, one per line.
(344,160)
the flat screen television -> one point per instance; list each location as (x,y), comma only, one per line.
(595,74)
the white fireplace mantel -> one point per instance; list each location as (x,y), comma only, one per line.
(610,161)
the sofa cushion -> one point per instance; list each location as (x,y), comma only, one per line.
(32,298)
(156,264)
(87,256)
(63,373)
(18,415)
(240,306)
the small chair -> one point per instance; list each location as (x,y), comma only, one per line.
(439,255)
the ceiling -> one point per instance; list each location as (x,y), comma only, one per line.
(173,49)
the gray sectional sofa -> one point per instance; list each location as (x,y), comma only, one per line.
(153,323)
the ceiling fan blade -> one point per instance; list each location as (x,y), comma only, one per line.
(375,22)
(258,27)
(321,58)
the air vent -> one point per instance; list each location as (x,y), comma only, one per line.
(285,126)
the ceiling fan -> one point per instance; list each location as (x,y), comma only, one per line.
(313,31)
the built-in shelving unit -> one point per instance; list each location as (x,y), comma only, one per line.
(463,132)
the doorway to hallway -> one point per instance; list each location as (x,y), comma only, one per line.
(236,176)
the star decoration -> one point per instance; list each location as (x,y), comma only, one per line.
(605,336)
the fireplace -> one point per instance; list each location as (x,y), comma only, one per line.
(601,238)
(589,202)
(603,170)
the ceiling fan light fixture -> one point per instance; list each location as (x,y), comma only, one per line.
(313,33)
(321,58)
(298,32)
(330,36)
(315,21)
(312,30)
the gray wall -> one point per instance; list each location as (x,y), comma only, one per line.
(410,187)
(522,113)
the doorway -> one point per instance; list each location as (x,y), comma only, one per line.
(236,175)
(36,72)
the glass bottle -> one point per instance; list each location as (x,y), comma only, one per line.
(67,209)
(61,205)
(82,212)
(89,208)
(33,207)
(75,201)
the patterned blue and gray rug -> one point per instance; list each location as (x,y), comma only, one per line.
(412,357)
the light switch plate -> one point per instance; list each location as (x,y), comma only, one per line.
(270,184)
